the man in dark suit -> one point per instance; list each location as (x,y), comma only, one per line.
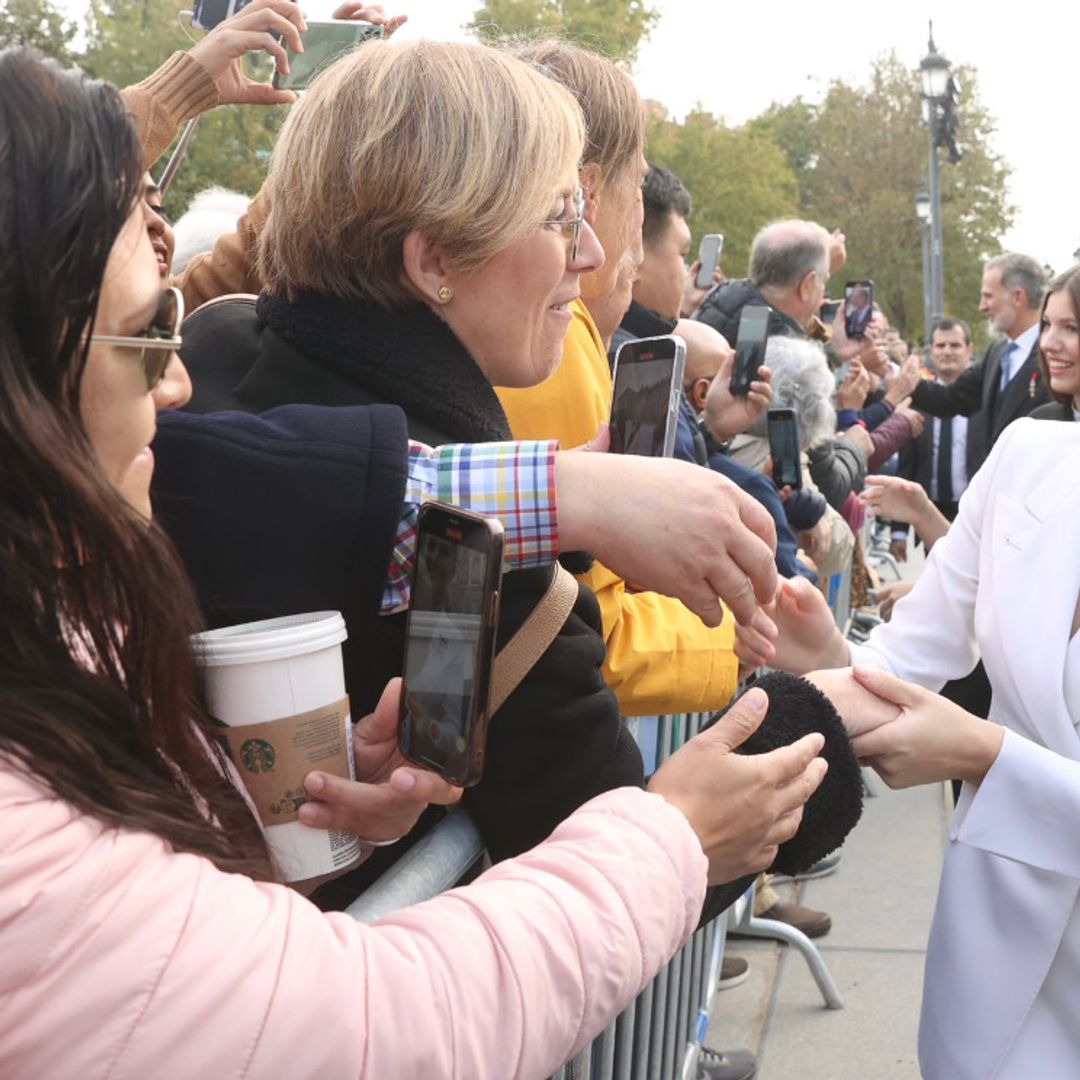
(939,459)
(1006,383)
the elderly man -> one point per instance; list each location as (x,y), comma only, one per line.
(790,262)
(1006,383)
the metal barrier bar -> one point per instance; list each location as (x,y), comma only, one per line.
(435,863)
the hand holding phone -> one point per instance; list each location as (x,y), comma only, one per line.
(749,348)
(647,386)
(784,448)
(324,42)
(708,259)
(450,642)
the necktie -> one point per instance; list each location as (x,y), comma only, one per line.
(944,461)
(1006,365)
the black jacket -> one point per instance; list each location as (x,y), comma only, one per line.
(558,740)
(1054,410)
(975,394)
(722,308)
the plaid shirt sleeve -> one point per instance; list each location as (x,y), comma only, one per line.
(511,481)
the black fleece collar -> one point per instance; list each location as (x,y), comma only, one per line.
(408,357)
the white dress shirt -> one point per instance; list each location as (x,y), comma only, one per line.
(959,457)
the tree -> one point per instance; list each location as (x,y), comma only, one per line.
(859,159)
(614,28)
(37,23)
(739,178)
(128,40)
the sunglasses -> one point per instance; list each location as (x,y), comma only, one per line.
(158,341)
(571,226)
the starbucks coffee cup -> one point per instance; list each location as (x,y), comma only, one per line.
(277,690)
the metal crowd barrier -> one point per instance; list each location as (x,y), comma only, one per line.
(660,1035)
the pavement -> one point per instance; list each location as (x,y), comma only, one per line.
(881,899)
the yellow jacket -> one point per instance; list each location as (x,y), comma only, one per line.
(661,658)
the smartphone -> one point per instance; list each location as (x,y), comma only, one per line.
(709,258)
(450,642)
(647,377)
(206,14)
(324,42)
(827,311)
(750,347)
(858,307)
(784,448)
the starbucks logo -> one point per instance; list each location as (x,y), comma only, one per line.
(258,756)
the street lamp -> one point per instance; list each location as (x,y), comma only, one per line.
(939,91)
(922,212)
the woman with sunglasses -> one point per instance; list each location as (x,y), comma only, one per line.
(140,925)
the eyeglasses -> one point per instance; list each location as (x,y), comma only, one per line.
(571,226)
(158,341)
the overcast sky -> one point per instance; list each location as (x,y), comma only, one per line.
(734,59)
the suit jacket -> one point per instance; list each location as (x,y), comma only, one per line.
(1004,582)
(975,394)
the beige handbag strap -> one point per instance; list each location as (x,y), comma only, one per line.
(518,656)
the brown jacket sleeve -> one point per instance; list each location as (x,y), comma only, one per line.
(179,90)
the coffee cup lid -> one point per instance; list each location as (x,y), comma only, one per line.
(269,639)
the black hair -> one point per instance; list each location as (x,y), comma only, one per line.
(664,194)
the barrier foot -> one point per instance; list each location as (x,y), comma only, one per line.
(771,928)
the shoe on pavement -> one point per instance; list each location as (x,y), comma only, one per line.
(811,923)
(726,1064)
(733,970)
(822,868)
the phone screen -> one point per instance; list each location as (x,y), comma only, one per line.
(324,42)
(709,257)
(784,447)
(858,307)
(749,348)
(648,379)
(449,631)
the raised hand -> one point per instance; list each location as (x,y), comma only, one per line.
(896,499)
(795,632)
(728,414)
(222,51)
(372,13)
(742,807)
(852,392)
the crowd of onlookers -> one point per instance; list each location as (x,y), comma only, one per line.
(425,301)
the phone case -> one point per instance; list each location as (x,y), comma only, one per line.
(467,769)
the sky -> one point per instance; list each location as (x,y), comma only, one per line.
(734,59)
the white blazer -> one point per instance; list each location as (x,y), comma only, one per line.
(1005,941)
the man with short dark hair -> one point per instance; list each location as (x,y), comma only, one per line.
(938,458)
(665,236)
(1006,383)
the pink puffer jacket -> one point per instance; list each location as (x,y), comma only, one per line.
(120,958)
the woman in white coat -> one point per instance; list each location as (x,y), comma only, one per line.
(1002,980)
